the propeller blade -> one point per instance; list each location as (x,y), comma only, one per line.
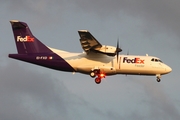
(118,50)
(117,57)
(117,47)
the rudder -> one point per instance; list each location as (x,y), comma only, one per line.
(25,41)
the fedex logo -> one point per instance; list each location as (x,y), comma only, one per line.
(25,39)
(135,60)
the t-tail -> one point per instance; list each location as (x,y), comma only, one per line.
(25,41)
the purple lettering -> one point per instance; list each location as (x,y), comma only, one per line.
(135,60)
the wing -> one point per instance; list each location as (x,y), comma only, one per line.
(88,42)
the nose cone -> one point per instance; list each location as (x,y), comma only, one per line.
(168,69)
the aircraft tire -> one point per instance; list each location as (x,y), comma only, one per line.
(98,80)
(158,80)
(93,74)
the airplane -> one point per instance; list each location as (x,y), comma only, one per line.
(97,60)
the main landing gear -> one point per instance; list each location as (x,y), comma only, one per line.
(93,74)
(98,80)
(99,75)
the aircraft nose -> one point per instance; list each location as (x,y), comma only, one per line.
(168,69)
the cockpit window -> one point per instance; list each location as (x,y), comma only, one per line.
(152,59)
(156,60)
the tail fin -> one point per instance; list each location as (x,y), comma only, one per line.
(25,41)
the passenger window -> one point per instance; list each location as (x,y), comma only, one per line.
(156,60)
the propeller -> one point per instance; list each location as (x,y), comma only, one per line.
(118,50)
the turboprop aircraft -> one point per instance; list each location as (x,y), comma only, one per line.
(97,60)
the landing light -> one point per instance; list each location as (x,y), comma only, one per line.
(102,75)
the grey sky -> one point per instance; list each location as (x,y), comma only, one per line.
(31,92)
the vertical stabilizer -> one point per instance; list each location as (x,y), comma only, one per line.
(25,41)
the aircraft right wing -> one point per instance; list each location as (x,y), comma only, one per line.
(88,42)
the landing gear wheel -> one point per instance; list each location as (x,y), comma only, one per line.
(98,80)
(158,80)
(93,74)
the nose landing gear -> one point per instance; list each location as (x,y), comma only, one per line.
(158,78)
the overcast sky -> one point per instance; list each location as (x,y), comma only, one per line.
(31,92)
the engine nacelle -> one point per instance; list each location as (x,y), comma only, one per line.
(108,50)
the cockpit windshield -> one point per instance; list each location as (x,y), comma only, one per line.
(156,60)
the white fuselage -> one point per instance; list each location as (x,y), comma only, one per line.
(126,64)
(97,61)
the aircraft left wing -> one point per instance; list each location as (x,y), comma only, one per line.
(88,42)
